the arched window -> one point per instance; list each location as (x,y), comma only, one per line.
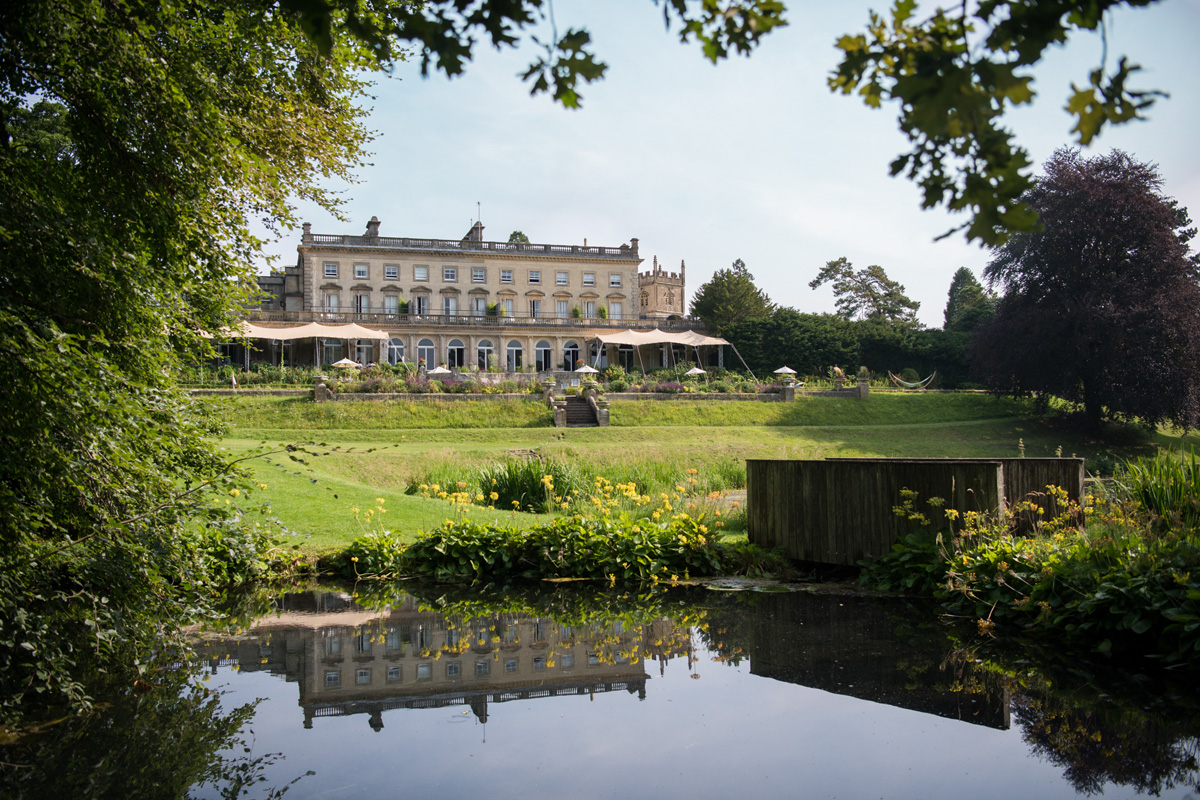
(395,351)
(456,354)
(425,352)
(485,355)
(516,356)
(542,356)
(571,355)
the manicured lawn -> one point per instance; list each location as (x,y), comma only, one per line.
(371,449)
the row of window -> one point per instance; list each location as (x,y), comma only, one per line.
(483,668)
(486,355)
(478,274)
(419,305)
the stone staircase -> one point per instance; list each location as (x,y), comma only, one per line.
(580,414)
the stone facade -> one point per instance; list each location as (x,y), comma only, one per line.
(661,293)
(470,303)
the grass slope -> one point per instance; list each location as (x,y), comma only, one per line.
(372,449)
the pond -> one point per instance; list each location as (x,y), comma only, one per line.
(681,692)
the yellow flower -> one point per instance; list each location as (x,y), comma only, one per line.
(234,492)
(493,496)
(378,499)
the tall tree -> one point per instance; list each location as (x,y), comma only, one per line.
(1099,308)
(730,297)
(968,304)
(866,294)
(518,237)
(135,142)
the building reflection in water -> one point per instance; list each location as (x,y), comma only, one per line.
(347,660)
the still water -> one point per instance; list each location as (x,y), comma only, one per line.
(680,693)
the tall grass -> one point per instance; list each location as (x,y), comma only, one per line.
(1167,486)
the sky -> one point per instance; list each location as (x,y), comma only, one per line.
(753,158)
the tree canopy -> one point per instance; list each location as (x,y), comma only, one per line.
(866,294)
(1099,308)
(954,75)
(136,142)
(518,237)
(730,297)
(968,304)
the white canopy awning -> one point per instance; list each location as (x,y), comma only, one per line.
(689,338)
(311,330)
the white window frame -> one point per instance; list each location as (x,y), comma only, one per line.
(589,279)
(614,279)
(535,276)
(562,308)
(421,273)
(535,309)
(616,310)
(589,309)
(391,272)
(449,306)
(362,272)
(478,274)
(450,274)
(562,278)
(391,304)
(331,270)
(506,276)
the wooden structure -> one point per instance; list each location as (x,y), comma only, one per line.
(841,511)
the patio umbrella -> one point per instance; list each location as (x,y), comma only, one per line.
(785,371)
(586,368)
(348,363)
(439,370)
(695,371)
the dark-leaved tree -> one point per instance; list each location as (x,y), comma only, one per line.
(1101,307)
(730,297)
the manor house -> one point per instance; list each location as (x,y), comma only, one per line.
(466,303)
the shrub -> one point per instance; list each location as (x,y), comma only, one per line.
(568,547)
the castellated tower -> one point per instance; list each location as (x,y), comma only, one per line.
(661,293)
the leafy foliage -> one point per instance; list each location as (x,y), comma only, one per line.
(1099,306)
(1118,588)
(866,294)
(135,142)
(730,297)
(955,74)
(569,547)
(968,304)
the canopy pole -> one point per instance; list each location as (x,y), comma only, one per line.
(641,363)
(744,364)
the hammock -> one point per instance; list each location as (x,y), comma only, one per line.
(911,385)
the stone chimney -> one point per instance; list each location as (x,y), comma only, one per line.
(373,228)
(307,232)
